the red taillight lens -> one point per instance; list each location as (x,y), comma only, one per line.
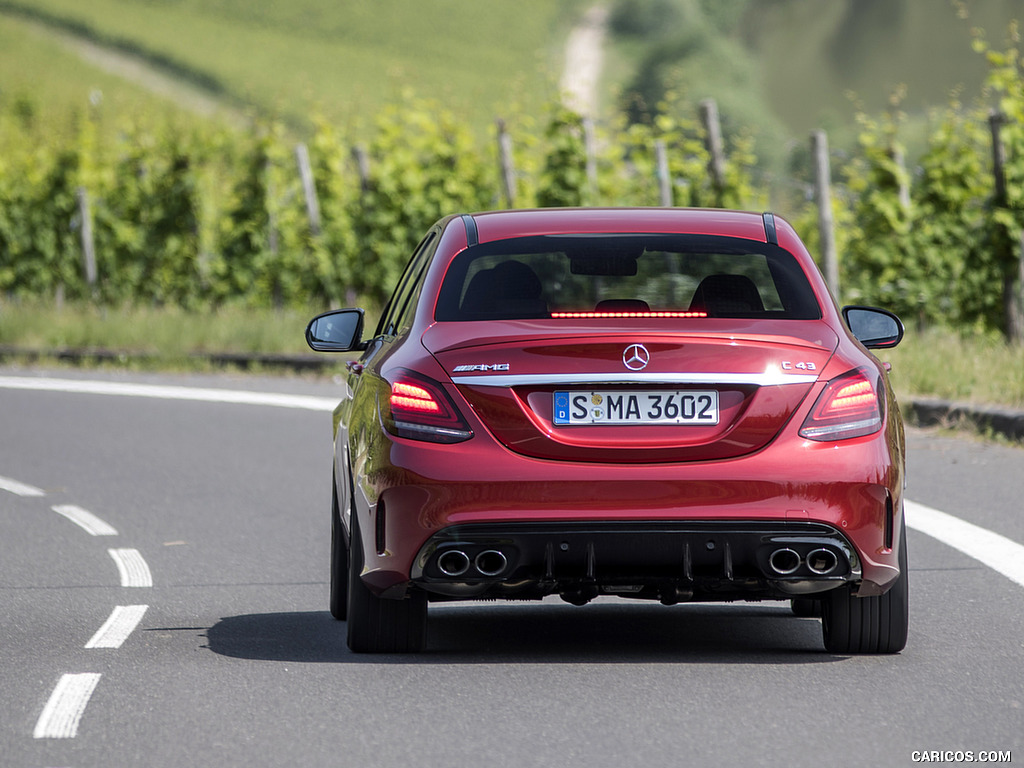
(412,398)
(418,408)
(849,407)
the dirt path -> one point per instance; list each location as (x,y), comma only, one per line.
(583,61)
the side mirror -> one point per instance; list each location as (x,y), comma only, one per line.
(339,330)
(874,328)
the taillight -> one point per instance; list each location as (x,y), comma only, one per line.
(849,407)
(420,409)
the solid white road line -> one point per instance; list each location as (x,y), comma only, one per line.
(21,489)
(85,520)
(132,568)
(65,707)
(74,386)
(116,629)
(997,552)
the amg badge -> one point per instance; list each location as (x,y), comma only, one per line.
(480,367)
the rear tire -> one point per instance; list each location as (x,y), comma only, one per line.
(868,624)
(377,625)
(339,563)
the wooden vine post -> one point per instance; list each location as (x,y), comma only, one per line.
(1013,276)
(826,226)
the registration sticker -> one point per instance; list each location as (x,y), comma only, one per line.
(641,407)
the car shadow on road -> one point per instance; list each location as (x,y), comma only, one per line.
(545,633)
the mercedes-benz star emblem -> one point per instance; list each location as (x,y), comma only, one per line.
(636,357)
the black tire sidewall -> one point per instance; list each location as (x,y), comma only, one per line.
(339,564)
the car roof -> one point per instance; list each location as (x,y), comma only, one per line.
(500,225)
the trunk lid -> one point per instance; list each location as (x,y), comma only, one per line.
(644,395)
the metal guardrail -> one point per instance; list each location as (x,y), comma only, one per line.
(995,420)
(91,356)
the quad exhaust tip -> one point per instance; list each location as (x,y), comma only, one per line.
(454,563)
(490,562)
(822,561)
(786,561)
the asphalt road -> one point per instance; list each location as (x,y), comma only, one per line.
(234,659)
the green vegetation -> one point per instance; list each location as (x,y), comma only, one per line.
(202,237)
(201,216)
(206,216)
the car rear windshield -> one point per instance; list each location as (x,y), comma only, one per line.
(612,276)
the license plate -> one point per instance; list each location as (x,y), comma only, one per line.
(641,407)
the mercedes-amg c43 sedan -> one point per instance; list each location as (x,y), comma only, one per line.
(658,404)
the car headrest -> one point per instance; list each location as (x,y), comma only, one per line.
(724,295)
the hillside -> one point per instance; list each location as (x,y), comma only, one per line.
(814,56)
(782,67)
(786,67)
(343,60)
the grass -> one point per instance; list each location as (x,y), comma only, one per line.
(975,368)
(154,338)
(46,83)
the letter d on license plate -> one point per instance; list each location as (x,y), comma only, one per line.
(642,407)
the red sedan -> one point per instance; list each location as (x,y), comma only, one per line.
(658,404)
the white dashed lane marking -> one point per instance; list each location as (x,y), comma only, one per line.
(19,489)
(132,568)
(85,520)
(65,707)
(116,629)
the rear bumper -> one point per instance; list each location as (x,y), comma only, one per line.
(417,499)
(665,560)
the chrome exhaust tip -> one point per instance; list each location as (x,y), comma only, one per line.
(490,562)
(454,562)
(784,561)
(822,561)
